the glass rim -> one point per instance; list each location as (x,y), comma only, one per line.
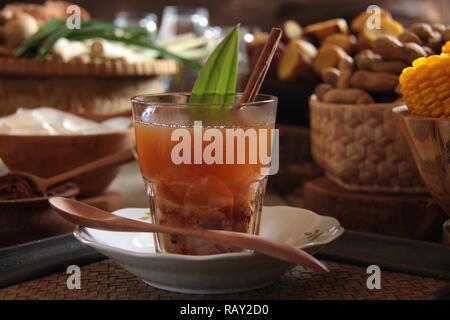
(140,100)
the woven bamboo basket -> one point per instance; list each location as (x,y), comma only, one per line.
(360,149)
(80,87)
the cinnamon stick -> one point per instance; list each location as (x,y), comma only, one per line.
(262,66)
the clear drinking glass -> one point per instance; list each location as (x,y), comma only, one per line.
(194,186)
(145,20)
(181,20)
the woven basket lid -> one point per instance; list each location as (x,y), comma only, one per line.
(30,67)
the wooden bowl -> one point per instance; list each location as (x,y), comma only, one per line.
(429,142)
(46,156)
(32,219)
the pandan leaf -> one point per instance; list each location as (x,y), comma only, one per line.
(216,82)
(48,44)
(41,44)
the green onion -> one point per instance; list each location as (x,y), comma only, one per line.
(41,44)
(48,44)
(32,42)
(165,53)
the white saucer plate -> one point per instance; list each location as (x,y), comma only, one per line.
(220,273)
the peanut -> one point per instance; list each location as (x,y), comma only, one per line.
(391,48)
(321,90)
(388,47)
(446,35)
(393,66)
(438,27)
(347,96)
(412,51)
(346,69)
(427,35)
(423,31)
(409,36)
(364,99)
(374,81)
(367,60)
(330,76)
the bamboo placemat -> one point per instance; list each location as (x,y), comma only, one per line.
(106,280)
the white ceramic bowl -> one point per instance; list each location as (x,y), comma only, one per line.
(221,273)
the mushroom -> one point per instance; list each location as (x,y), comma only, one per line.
(19,28)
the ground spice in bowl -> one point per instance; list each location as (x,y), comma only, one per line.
(14,187)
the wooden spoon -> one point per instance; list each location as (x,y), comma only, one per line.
(42,184)
(85,215)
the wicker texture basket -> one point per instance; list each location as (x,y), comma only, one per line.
(360,149)
(119,68)
(92,88)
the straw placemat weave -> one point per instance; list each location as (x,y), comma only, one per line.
(106,280)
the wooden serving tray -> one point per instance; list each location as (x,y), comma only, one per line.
(30,67)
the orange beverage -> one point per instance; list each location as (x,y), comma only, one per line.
(217,181)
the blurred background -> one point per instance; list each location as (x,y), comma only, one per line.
(267,13)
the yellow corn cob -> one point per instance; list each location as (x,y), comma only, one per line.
(446,48)
(426,86)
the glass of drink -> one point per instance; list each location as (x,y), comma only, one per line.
(204,165)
